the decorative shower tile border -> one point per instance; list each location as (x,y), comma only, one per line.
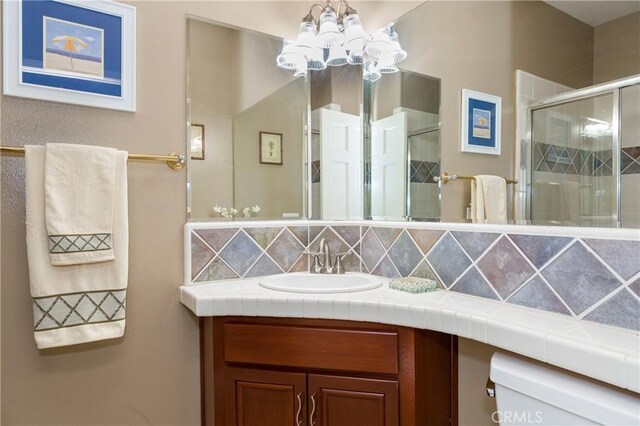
(510,263)
(424,171)
(563,160)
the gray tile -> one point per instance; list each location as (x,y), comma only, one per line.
(264,266)
(505,268)
(201,254)
(263,236)
(425,238)
(336,244)
(372,250)
(579,278)
(424,271)
(301,265)
(216,270)
(351,234)
(622,310)
(448,259)
(622,256)
(635,286)
(475,243)
(540,249)
(537,294)
(216,238)
(352,263)
(387,235)
(314,231)
(405,254)
(473,283)
(241,252)
(386,269)
(285,250)
(301,233)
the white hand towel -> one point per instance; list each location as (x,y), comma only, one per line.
(78,303)
(79,184)
(489,199)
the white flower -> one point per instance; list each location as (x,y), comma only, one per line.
(256,208)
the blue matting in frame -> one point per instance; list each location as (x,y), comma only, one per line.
(481,134)
(34,47)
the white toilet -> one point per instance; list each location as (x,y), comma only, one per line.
(530,394)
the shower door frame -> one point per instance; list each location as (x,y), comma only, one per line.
(614,88)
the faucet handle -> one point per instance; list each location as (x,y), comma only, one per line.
(339,266)
(317,263)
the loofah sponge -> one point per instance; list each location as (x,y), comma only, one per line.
(413,285)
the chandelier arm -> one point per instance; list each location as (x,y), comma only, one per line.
(309,17)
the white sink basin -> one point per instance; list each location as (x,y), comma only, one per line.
(303,282)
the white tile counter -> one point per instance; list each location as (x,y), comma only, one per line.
(602,352)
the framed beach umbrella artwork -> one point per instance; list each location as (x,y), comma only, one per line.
(480,124)
(72,51)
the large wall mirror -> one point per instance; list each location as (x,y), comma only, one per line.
(353,149)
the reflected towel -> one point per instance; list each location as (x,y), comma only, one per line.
(489,199)
(79,184)
(77,303)
(570,202)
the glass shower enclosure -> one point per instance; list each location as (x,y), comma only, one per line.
(584,162)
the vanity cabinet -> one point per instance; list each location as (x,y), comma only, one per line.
(299,372)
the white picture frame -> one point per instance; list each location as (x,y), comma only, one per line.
(480,123)
(66,52)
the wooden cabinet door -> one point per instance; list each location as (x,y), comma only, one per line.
(347,401)
(264,398)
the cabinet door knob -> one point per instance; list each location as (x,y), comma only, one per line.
(313,410)
(298,420)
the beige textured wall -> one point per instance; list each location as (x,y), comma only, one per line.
(475,407)
(151,376)
(617,49)
(490,41)
(211,103)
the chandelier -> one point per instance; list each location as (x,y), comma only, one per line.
(339,39)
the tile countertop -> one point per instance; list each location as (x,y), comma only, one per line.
(606,353)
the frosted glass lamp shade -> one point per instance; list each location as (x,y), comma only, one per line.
(355,49)
(315,59)
(301,69)
(329,34)
(386,64)
(398,53)
(337,56)
(307,33)
(289,58)
(379,44)
(353,29)
(370,72)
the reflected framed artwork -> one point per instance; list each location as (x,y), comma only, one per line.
(196,141)
(72,51)
(271,148)
(480,124)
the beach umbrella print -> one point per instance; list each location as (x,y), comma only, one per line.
(70,44)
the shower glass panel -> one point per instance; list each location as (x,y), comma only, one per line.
(424,159)
(630,156)
(574,177)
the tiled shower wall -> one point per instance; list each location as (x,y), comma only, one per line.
(587,278)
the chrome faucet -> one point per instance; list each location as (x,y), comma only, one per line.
(325,265)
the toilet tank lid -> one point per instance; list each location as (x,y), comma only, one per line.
(593,401)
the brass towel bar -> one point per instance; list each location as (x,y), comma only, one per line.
(446,177)
(174,160)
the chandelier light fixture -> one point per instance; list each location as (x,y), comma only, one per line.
(338,39)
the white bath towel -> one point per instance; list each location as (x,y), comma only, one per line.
(79,185)
(489,199)
(77,303)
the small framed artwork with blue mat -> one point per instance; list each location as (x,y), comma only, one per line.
(480,124)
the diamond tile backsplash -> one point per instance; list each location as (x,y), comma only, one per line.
(588,278)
